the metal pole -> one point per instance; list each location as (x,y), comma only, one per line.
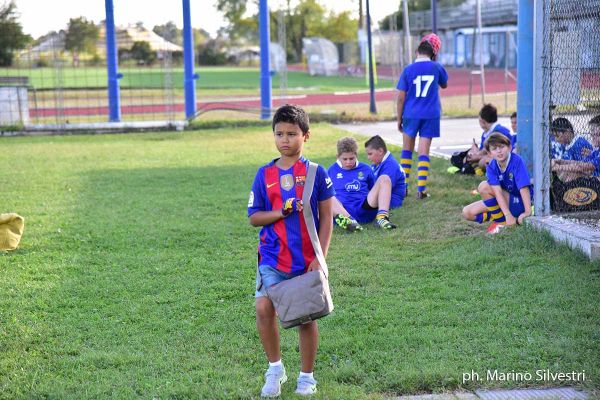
(114,96)
(541,156)
(188,60)
(480,41)
(525,81)
(434,16)
(265,75)
(372,106)
(407,32)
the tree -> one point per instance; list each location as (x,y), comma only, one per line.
(169,32)
(81,37)
(12,37)
(142,52)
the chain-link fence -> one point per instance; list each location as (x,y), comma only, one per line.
(61,78)
(571,103)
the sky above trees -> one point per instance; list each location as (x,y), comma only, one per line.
(39,17)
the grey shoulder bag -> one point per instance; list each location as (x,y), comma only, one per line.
(306,297)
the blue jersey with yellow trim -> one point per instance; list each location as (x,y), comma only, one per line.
(351,185)
(513,178)
(390,167)
(285,244)
(420,81)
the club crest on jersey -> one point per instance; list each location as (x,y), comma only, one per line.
(300,180)
(287,181)
(361,176)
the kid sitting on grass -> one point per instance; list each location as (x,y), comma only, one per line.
(390,186)
(506,195)
(354,184)
(285,249)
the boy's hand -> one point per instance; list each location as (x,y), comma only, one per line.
(510,220)
(291,205)
(400,128)
(314,266)
(522,218)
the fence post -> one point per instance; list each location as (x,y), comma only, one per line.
(112,59)
(525,80)
(265,75)
(189,80)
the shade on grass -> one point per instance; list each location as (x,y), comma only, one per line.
(135,279)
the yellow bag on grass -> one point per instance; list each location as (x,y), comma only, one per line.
(11,230)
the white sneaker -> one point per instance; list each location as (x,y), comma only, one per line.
(274,378)
(306,386)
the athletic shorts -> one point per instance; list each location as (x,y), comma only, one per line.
(428,128)
(363,213)
(515,205)
(269,276)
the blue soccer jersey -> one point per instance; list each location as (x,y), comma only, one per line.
(578,149)
(390,167)
(594,158)
(499,129)
(513,178)
(285,245)
(420,81)
(352,187)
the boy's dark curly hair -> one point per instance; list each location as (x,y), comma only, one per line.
(291,114)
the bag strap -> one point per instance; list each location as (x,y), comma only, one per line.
(308,215)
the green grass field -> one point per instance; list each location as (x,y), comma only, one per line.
(135,279)
(232,80)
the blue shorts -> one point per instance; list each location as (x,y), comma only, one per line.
(515,205)
(269,276)
(428,128)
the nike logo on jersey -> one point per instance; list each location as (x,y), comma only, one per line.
(270,185)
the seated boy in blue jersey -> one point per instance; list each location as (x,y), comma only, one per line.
(353,183)
(285,249)
(575,164)
(488,121)
(419,109)
(567,146)
(389,188)
(507,193)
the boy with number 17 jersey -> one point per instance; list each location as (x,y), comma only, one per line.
(419,109)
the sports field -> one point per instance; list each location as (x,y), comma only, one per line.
(135,279)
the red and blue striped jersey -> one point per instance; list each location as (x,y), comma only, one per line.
(285,245)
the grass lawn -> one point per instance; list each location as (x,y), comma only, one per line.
(221,80)
(135,278)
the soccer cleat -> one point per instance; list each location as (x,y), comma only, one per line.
(495,228)
(422,195)
(274,378)
(306,386)
(347,223)
(385,223)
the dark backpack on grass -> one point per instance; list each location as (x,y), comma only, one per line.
(459,160)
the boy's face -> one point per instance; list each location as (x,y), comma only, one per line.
(513,124)
(347,159)
(563,136)
(500,152)
(375,155)
(289,139)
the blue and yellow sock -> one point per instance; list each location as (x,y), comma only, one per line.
(483,217)
(381,214)
(406,162)
(423,173)
(495,212)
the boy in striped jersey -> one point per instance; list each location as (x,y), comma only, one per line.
(285,249)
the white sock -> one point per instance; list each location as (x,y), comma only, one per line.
(277,363)
(306,375)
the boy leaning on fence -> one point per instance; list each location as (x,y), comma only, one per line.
(285,249)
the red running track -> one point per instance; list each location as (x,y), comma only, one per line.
(458,84)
